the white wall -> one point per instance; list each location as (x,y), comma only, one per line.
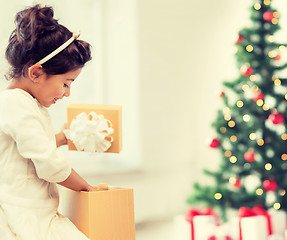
(185,51)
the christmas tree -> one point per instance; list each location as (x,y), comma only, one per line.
(250,128)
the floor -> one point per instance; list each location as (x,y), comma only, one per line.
(162,230)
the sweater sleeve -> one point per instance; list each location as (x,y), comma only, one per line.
(20,118)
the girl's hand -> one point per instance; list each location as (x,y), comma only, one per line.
(100,187)
(61,138)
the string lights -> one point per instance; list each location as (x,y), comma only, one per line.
(241,124)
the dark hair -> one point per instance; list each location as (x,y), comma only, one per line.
(36,35)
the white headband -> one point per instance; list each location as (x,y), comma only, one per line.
(59,49)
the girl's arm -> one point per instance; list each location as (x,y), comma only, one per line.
(77,183)
(61,139)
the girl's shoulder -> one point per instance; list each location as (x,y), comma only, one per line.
(17,99)
(15,92)
(15,95)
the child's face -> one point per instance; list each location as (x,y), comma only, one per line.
(54,87)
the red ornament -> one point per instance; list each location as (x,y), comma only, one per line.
(228,238)
(236,183)
(249,156)
(276,118)
(214,143)
(268,16)
(258,96)
(246,71)
(239,39)
(270,185)
(221,94)
(277,58)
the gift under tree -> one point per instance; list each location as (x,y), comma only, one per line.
(251,133)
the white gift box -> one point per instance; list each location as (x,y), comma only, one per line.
(276,237)
(203,226)
(278,221)
(227,229)
(234,227)
(254,228)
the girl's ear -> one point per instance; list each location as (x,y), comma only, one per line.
(34,72)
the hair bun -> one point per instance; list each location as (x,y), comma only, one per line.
(33,22)
(36,35)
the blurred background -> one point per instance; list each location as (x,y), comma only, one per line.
(164,62)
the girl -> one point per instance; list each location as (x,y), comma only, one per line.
(45,59)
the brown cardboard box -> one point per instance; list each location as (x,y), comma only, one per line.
(103,215)
(110,112)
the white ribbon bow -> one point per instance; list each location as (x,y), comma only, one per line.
(88,132)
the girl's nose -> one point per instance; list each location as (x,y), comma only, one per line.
(67,92)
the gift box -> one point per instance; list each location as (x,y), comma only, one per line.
(224,231)
(112,113)
(254,223)
(102,215)
(254,228)
(278,221)
(201,223)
